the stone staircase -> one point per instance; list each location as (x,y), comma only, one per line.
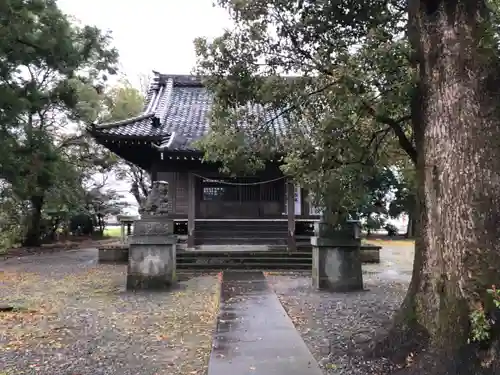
(270,233)
(249,245)
(299,260)
(244,260)
(206,260)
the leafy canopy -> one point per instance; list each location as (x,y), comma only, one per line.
(338,72)
(51,74)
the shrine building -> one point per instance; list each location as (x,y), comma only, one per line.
(209,208)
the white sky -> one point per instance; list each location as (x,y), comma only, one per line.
(151,35)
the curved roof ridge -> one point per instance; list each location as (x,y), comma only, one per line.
(180,80)
(163,102)
(154,100)
(127,121)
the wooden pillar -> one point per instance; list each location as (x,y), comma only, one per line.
(305,202)
(191,209)
(290,194)
(154,172)
(173,191)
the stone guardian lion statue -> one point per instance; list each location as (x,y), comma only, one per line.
(157,201)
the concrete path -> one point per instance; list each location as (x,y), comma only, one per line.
(254,334)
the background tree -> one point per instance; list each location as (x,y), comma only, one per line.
(101,204)
(374,206)
(404,201)
(48,68)
(124,101)
(342,109)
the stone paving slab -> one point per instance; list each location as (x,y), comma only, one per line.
(254,334)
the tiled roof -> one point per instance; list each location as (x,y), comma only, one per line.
(176,114)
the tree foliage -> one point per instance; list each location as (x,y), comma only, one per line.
(101,204)
(51,73)
(405,197)
(380,83)
(124,101)
(380,187)
(338,72)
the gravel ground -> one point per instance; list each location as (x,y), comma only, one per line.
(74,317)
(338,326)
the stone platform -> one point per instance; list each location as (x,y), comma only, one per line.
(113,253)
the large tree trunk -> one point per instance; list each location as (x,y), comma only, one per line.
(32,236)
(457,131)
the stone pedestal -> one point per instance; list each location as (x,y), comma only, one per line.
(152,250)
(337,258)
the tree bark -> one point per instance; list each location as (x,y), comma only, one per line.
(32,236)
(457,130)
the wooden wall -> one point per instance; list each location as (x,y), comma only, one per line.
(266,204)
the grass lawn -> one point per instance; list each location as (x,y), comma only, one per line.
(112,232)
(388,242)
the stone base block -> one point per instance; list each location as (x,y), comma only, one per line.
(152,263)
(141,282)
(370,254)
(113,254)
(337,269)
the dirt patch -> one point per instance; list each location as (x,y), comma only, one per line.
(74,243)
(75,317)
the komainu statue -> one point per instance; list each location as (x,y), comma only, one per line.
(157,201)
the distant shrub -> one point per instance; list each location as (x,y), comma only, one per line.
(81,224)
(391,230)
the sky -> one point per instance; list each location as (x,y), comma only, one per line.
(150,35)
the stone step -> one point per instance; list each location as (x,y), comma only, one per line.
(240,234)
(217,260)
(243,254)
(246,260)
(233,225)
(241,241)
(301,258)
(244,266)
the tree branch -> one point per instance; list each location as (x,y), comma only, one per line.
(395,125)
(75,140)
(299,102)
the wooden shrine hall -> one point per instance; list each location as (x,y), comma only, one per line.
(209,208)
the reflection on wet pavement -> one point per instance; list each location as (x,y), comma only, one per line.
(254,334)
(396,264)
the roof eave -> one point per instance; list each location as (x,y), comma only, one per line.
(128,121)
(104,136)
